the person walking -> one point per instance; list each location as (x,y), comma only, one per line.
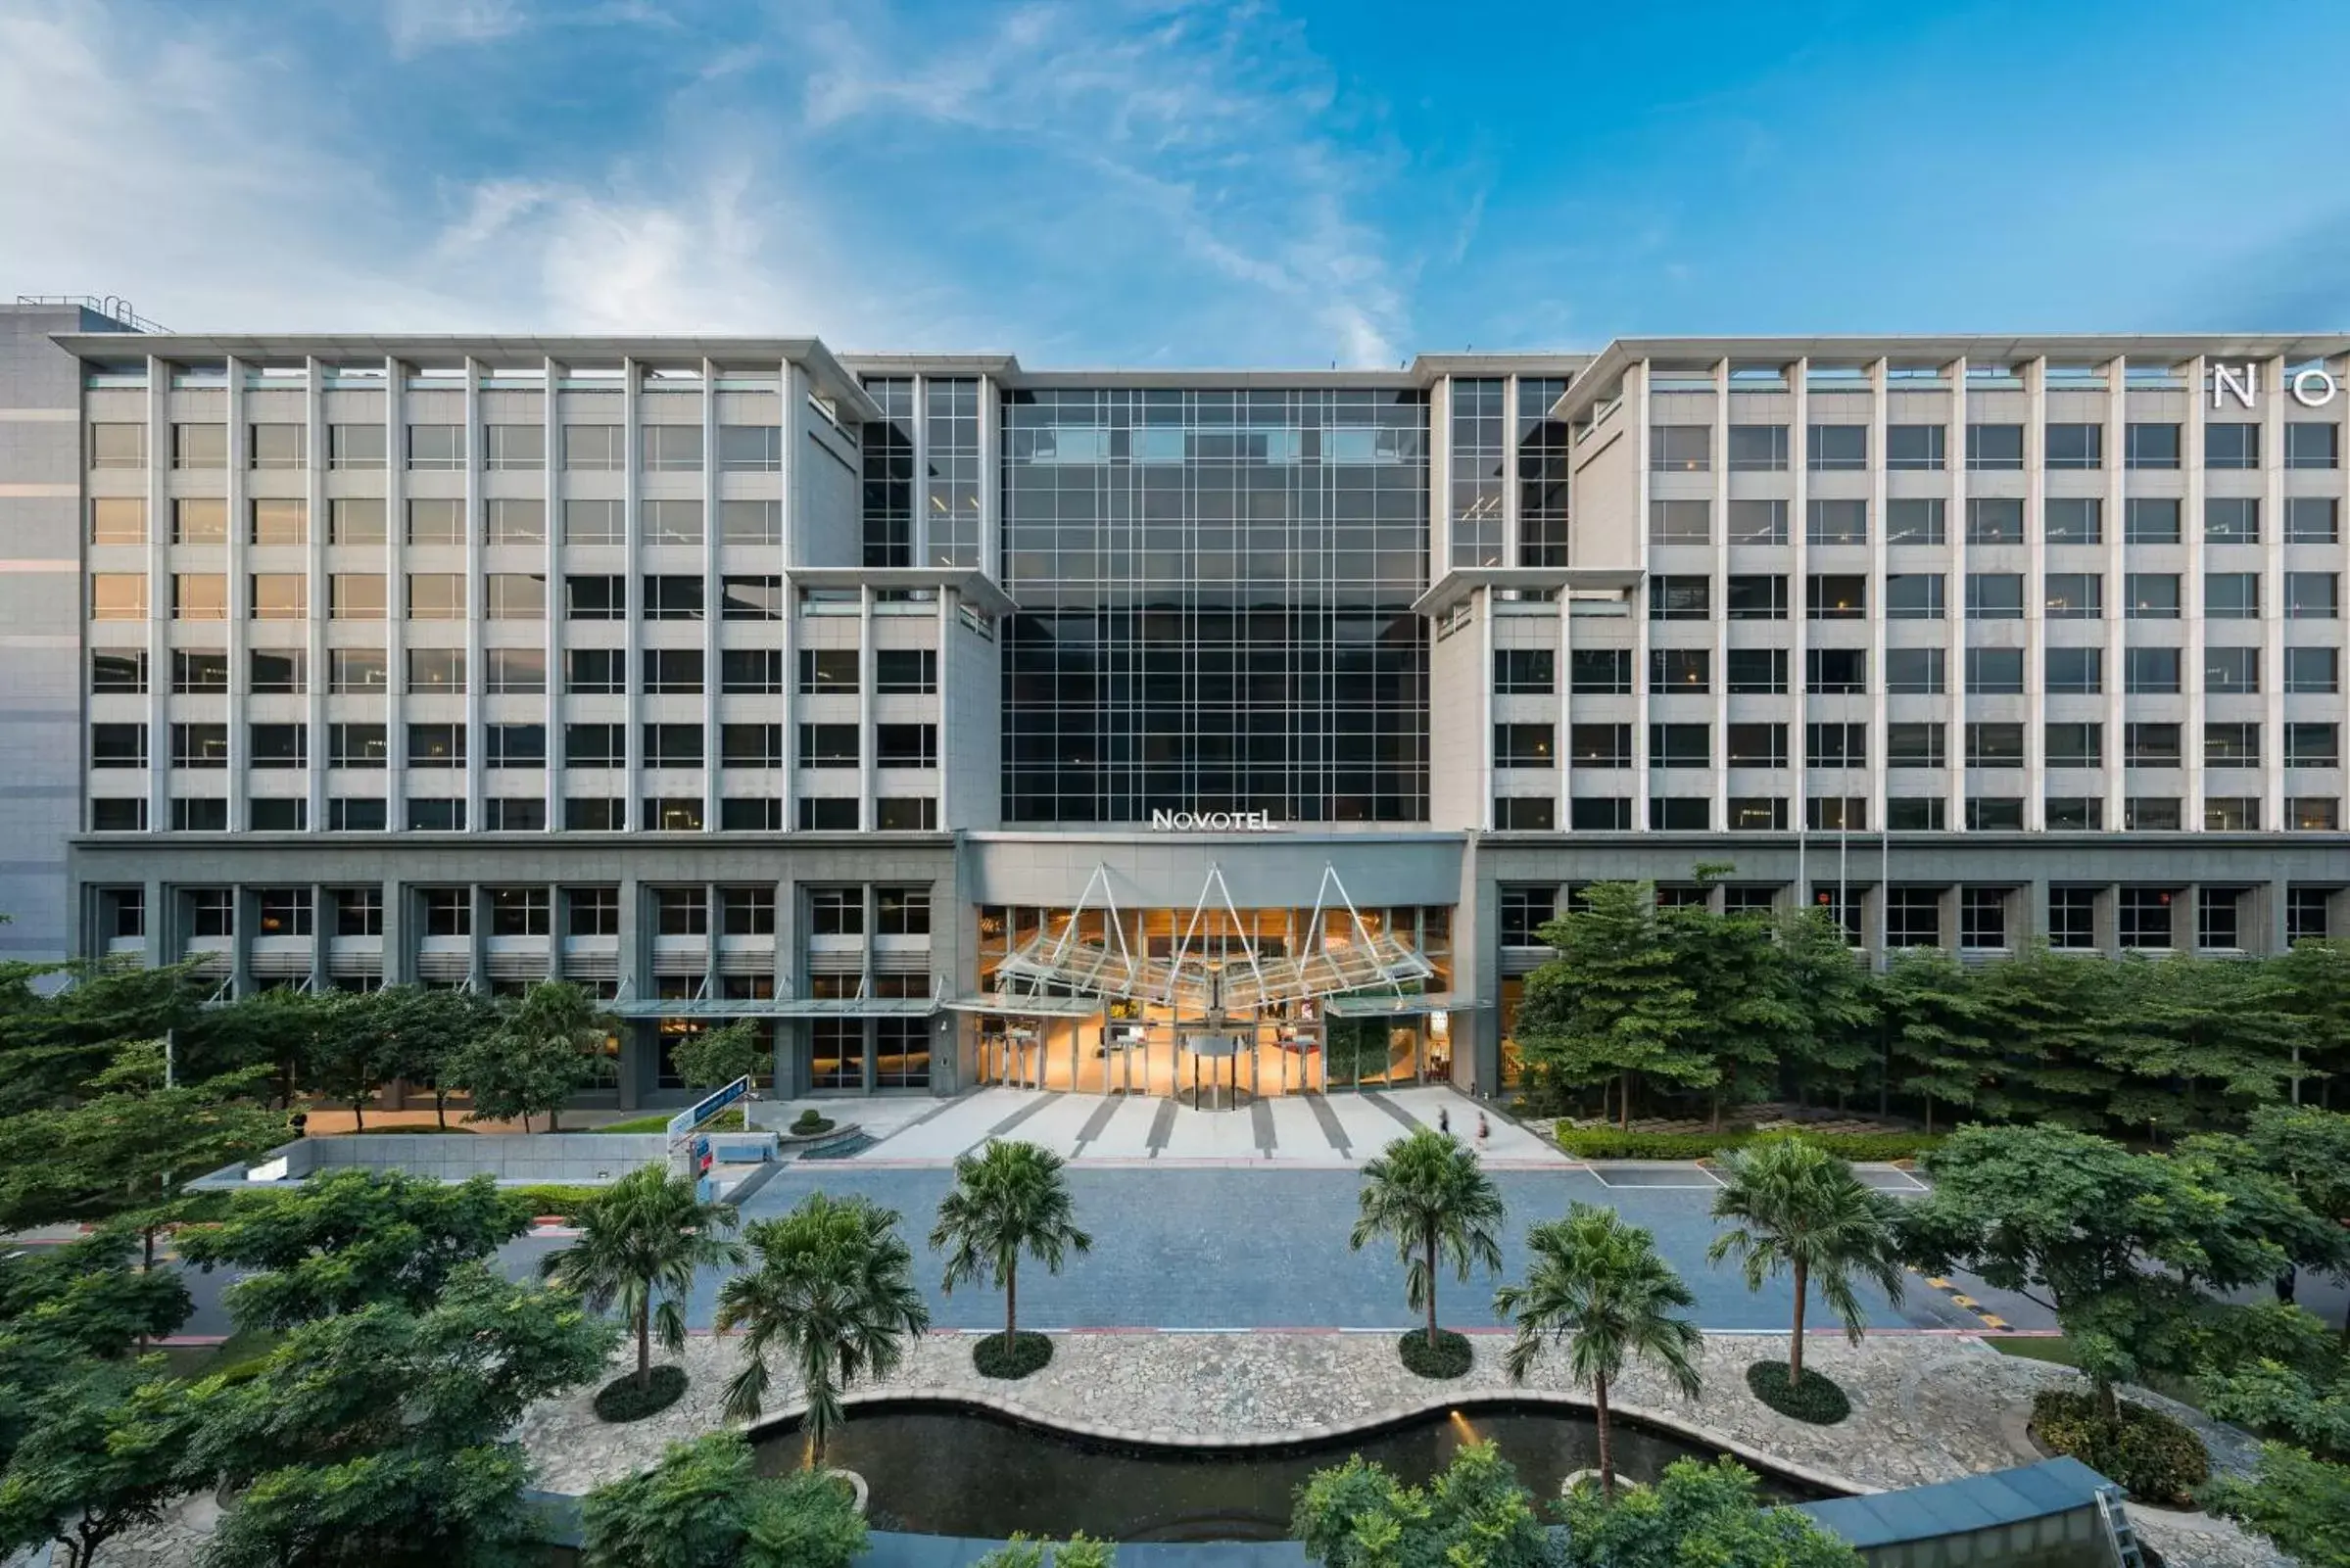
(1484,1129)
(1444,1120)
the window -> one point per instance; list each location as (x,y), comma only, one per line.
(2307,445)
(199,520)
(595,814)
(2072,917)
(1524,912)
(673,599)
(1995,520)
(823,670)
(277,815)
(2076,446)
(1754,746)
(211,912)
(2076,670)
(2153,445)
(1841,597)
(354,520)
(517,521)
(1680,522)
(1995,671)
(436,745)
(2312,814)
(200,815)
(436,815)
(828,746)
(200,745)
(2232,669)
(596,746)
(592,522)
(901,911)
(750,745)
(2231,520)
(1913,597)
(2232,596)
(511,447)
(2074,595)
(1835,670)
(2075,814)
(1600,814)
(594,449)
(751,599)
(275,671)
(279,595)
(1679,670)
(1679,745)
(1995,745)
(2074,520)
(356,746)
(2145,913)
(1523,746)
(118,520)
(2306,911)
(1680,814)
(595,598)
(2313,745)
(673,448)
(118,745)
(1914,670)
(2215,907)
(2313,520)
(1995,814)
(199,672)
(750,522)
(119,670)
(2152,595)
(673,746)
(827,814)
(436,447)
(1915,449)
(2312,669)
(441,670)
(2149,671)
(1751,671)
(672,522)
(2231,745)
(1994,596)
(279,745)
(1681,448)
(750,671)
(1750,597)
(1756,814)
(1838,448)
(1914,521)
(2147,521)
(436,522)
(1757,522)
(200,596)
(836,912)
(1914,745)
(1991,447)
(2075,746)
(1835,745)
(1679,599)
(1596,746)
(355,596)
(920,814)
(351,446)
(2226,446)
(1757,449)
(751,448)
(520,911)
(515,670)
(1913,917)
(673,670)
(279,522)
(913,671)
(1835,522)
(517,597)
(356,670)
(2151,746)
(1591,672)
(199,446)
(118,446)
(447,911)
(1983,916)
(1837,814)
(2311,597)
(515,745)
(588,671)
(740,814)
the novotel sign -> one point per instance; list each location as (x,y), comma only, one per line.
(2311,385)
(1214,821)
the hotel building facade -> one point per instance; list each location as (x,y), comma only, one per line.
(1113,731)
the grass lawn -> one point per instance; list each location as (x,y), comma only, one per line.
(2056,1349)
(727,1121)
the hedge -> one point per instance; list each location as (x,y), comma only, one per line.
(728,1120)
(1606,1143)
(1027,1353)
(552,1198)
(1448,1356)
(1818,1399)
(2150,1455)
(621,1400)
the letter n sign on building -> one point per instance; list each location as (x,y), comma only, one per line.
(2313,386)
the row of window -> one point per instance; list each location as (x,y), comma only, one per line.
(506,520)
(1993,520)
(1989,447)
(1990,596)
(1845,744)
(1608,672)
(586,447)
(442,670)
(530,911)
(523,745)
(369,813)
(442,597)
(1906,814)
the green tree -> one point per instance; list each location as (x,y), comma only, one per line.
(1796,1208)
(534,1059)
(423,1030)
(2309,1150)
(1747,1018)
(642,1241)
(2300,1503)
(2203,1043)
(349,1238)
(832,1289)
(1838,1042)
(2316,975)
(1612,1004)
(97,1462)
(2051,1013)
(1009,1199)
(1596,1287)
(69,1312)
(1427,1193)
(2069,1220)
(802,1520)
(53,1041)
(1472,1515)
(711,1059)
(1697,1515)
(1939,1032)
(685,1512)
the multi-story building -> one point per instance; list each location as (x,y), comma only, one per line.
(967,723)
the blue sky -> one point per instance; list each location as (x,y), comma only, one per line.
(1098,182)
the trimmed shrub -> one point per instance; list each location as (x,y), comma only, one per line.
(1448,1356)
(1028,1352)
(2150,1455)
(1606,1143)
(1817,1399)
(621,1400)
(553,1199)
(808,1124)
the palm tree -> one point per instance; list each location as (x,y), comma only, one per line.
(645,1237)
(1799,1208)
(1427,1191)
(833,1288)
(1010,1200)
(1597,1287)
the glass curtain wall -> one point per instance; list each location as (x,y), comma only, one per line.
(950,508)
(1216,592)
(888,456)
(1542,468)
(1479,526)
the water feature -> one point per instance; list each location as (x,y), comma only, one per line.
(938,1467)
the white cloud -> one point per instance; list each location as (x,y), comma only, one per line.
(417,25)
